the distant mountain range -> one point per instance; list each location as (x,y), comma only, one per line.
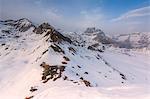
(133,40)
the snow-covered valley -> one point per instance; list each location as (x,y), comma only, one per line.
(41,63)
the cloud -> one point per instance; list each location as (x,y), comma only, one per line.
(136,20)
(38,12)
(34,11)
(91,18)
(141,12)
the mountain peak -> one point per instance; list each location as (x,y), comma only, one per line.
(22,24)
(93,31)
(50,31)
(97,35)
(44,26)
(24,21)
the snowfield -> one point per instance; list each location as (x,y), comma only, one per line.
(113,73)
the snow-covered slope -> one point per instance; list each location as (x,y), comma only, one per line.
(41,63)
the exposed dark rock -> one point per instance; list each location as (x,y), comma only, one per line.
(3,44)
(103,48)
(66,58)
(17,36)
(56,48)
(6,31)
(32,89)
(123,76)
(64,62)
(75,82)
(45,52)
(79,66)
(98,58)
(77,74)
(100,50)
(86,73)
(6,48)
(72,49)
(51,72)
(65,78)
(87,83)
(91,48)
(81,78)
(43,77)
(30,97)
(122,82)
(94,48)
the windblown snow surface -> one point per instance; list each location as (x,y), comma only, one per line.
(113,74)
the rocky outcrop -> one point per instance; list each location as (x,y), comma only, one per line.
(43,28)
(51,72)
(54,35)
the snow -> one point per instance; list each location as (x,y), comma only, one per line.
(72,92)
(20,70)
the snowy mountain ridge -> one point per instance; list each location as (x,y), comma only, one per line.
(134,40)
(35,60)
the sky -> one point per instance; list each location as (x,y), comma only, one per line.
(112,16)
